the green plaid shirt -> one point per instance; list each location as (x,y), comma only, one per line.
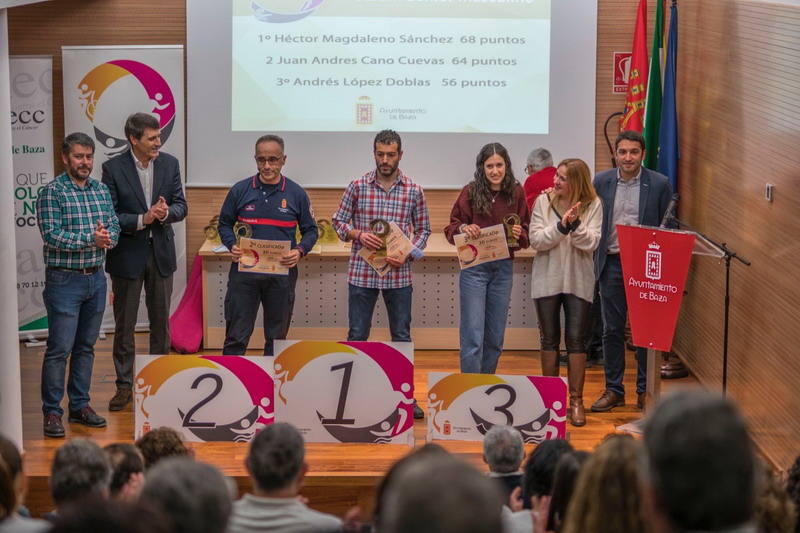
(67,215)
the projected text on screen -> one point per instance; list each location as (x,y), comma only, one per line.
(458,66)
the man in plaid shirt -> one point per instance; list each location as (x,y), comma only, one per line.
(78,224)
(388,194)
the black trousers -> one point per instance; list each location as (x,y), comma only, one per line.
(246,292)
(127,293)
(576,316)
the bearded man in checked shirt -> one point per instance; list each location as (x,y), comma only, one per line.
(78,224)
(384,193)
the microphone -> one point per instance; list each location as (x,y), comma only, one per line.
(669,214)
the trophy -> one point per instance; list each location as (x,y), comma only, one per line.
(509,221)
(381,228)
(212,230)
(242,230)
(327,235)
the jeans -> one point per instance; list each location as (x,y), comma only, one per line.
(485,293)
(576,318)
(75,303)
(361,304)
(615,311)
(245,293)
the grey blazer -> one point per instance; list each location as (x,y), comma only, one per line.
(654,196)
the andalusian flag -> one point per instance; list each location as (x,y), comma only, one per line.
(633,117)
(652,109)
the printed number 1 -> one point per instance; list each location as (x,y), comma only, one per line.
(348,370)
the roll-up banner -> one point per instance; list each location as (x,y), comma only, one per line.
(103,85)
(32,137)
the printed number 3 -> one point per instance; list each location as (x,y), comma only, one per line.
(512,397)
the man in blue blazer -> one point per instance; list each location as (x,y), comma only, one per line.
(631,194)
(146,188)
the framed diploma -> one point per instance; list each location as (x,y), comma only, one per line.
(263,257)
(491,245)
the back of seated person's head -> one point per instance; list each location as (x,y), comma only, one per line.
(503,449)
(606,495)
(13,461)
(441,494)
(160,443)
(193,496)
(775,510)
(793,487)
(8,497)
(110,516)
(416,454)
(276,458)
(127,465)
(537,479)
(700,462)
(80,469)
(564,479)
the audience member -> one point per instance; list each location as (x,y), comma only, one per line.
(161,443)
(606,497)
(793,488)
(541,172)
(80,470)
(775,510)
(566,475)
(385,484)
(440,494)
(700,465)
(276,464)
(503,451)
(127,467)
(193,496)
(13,516)
(537,480)
(110,516)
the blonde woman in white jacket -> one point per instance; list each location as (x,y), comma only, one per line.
(565,231)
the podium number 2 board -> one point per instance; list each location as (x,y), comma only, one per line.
(466,406)
(207,398)
(346,391)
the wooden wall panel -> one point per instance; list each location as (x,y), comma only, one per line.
(739,110)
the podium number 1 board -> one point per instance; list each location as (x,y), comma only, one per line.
(466,406)
(205,398)
(346,391)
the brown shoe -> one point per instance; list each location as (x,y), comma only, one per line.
(607,401)
(122,398)
(640,400)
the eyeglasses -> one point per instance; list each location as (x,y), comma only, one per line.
(261,161)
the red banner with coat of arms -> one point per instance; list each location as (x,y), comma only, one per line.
(655,263)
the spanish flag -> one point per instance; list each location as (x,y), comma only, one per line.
(633,117)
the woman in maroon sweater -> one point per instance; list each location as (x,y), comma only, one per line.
(485,289)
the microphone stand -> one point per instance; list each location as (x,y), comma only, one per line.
(728,254)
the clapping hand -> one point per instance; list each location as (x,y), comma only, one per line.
(571,215)
(158,211)
(102,239)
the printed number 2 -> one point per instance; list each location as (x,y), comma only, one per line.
(187,420)
(348,370)
(512,397)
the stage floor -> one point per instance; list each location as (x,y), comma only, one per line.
(340,475)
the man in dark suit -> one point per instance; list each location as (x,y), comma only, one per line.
(148,197)
(631,194)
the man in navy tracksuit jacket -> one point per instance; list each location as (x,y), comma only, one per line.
(273,206)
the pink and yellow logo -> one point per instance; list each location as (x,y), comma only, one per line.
(548,410)
(98,80)
(398,369)
(257,383)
